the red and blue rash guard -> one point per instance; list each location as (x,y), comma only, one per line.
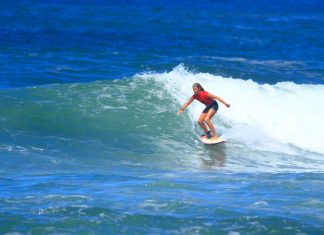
(202,96)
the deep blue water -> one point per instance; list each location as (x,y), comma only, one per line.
(89,139)
(65,41)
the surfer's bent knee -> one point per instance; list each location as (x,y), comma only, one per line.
(207,120)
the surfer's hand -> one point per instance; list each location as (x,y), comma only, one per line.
(228,105)
(180,111)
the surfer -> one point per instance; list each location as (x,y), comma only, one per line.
(209,100)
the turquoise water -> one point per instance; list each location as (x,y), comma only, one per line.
(90,142)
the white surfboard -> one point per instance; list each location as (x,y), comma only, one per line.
(210,141)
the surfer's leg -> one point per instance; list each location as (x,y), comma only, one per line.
(210,114)
(201,122)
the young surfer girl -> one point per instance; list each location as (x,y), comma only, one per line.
(209,100)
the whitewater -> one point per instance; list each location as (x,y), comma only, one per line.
(261,115)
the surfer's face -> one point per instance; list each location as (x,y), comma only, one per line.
(195,89)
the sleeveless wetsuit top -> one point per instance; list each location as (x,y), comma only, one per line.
(202,96)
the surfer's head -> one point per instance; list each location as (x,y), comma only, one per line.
(196,87)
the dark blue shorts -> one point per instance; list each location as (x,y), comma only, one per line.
(213,105)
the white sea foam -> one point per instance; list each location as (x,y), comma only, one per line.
(261,115)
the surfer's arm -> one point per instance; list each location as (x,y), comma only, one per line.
(215,97)
(185,105)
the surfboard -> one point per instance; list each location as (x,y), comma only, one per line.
(210,141)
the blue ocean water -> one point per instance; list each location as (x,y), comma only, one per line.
(89,139)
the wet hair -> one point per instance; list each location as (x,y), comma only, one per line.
(198,86)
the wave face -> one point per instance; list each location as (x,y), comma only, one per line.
(135,117)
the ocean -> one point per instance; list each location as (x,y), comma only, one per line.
(90,142)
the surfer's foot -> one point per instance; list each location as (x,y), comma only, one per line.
(214,138)
(206,135)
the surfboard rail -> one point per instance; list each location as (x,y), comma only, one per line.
(210,141)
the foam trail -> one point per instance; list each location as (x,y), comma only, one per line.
(285,113)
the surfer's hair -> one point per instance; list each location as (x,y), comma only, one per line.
(198,86)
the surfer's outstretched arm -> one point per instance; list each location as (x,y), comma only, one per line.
(185,105)
(219,99)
